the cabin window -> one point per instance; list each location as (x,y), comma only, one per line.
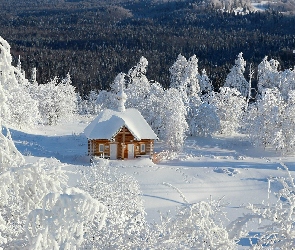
(142,148)
(101,147)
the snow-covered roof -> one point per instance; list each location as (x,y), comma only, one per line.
(109,122)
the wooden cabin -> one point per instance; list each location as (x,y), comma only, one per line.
(121,134)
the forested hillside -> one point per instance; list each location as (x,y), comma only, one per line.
(94,41)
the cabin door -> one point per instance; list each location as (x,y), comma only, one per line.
(113,151)
(130,151)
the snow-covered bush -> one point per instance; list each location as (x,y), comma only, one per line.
(235,79)
(64,220)
(195,226)
(120,193)
(277,220)
(230,105)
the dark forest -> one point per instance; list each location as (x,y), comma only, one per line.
(95,41)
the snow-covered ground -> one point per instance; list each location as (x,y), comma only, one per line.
(226,168)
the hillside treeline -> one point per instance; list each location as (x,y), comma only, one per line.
(94,41)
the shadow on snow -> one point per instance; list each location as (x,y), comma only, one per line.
(71,149)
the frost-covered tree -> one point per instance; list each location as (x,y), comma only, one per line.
(192,120)
(287,82)
(205,83)
(153,103)
(264,118)
(174,124)
(138,85)
(288,125)
(177,73)
(268,75)
(207,121)
(9,155)
(230,105)
(57,100)
(184,76)
(92,105)
(23,110)
(4,108)
(191,77)
(22,190)
(235,78)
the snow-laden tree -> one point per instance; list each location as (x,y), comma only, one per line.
(120,80)
(207,121)
(4,108)
(264,119)
(23,110)
(205,83)
(287,82)
(174,124)
(192,120)
(125,222)
(64,220)
(177,73)
(153,111)
(191,77)
(138,85)
(287,135)
(184,77)
(91,103)
(9,155)
(230,105)
(57,100)
(268,75)
(22,190)
(235,78)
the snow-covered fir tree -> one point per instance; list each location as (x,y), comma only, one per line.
(205,83)
(138,85)
(174,124)
(191,77)
(264,119)
(207,121)
(192,112)
(57,100)
(230,105)
(177,73)
(287,82)
(235,78)
(268,75)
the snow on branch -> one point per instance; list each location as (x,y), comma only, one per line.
(62,221)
